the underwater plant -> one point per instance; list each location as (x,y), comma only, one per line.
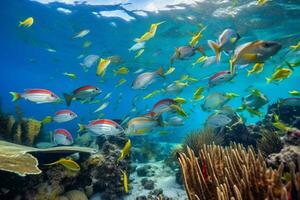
(235,173)
(197,139)
(269,142)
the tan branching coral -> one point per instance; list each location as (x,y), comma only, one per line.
(232,173)
(33,128)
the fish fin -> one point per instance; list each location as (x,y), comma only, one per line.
(216,48)
(289,65)
(250,56)
(201,50)
(81,128)
(233,39)
(15,96)
(160,71)
(53,163)
(231,62)
(68,98)
(177,53)
(269,80)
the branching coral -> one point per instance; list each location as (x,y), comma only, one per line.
(197,139)
(233,173)
(269,143)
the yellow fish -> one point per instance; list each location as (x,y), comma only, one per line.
(103,64)
(120,82)
(200,60)
(150,34)
(279,125)
(254,112)
(47,119)
(231,95)
(295,47)
(67,163)
(125,181)
(198,93)
(261,2)
(70,75)
(27,22)
(180,100)
(139,53)
(170,71)
(125,151)
(179,110)
(148,96)
(188,78)
(295,92)
(279,75)
(122,70)
(197,37)
(257,68)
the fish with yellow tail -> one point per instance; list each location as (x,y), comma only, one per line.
(185,52)
(67,163)
(102,66)
(197,37)
(143,80)
(27,22)
(253,52)
(200,60)
(125,181)
(279,75)
(70,75)
(143,125)
(169,71)
(198,93)
(226,42)
(257,68)
(180,100)
(125,151)
(149,34)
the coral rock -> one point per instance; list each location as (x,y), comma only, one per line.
(76,195)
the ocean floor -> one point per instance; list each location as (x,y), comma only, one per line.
(163,178)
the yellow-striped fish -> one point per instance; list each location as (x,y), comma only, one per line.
(200,60)
(257,68)
(67,163)
(295,47)
(70,75)
(155,92)
(125,181)
(120,82)
(126,150)
(170,71)
(139,53)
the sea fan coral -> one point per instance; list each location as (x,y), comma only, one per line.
(234,173)
(197,139)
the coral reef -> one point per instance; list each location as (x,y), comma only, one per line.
(234,173)
(17,158)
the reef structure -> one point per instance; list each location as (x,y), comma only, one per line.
(235,173)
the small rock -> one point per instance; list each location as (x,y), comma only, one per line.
(143,171)
(141,198)
(148,184)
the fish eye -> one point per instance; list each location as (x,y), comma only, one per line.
(267,45)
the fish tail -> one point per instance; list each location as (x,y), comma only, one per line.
(47,119)
(15,96)
(81,128)
(289,65)
(160,121)
(68,98)
(269,80)
(249,72)
(231,66)
(216,48)
(53,163)
(20,23)
(160,72)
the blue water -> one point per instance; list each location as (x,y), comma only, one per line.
(25,62)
